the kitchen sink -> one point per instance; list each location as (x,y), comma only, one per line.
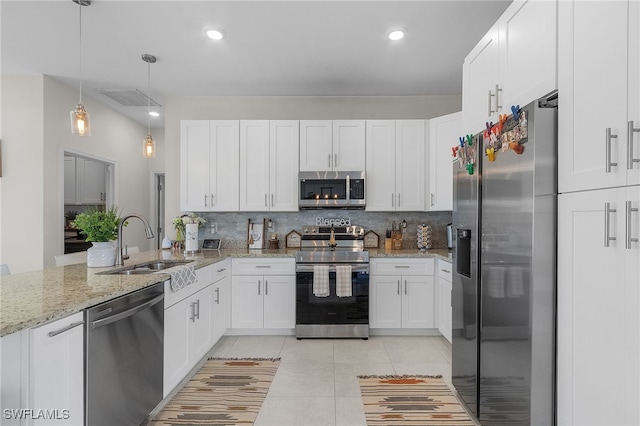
(147,268)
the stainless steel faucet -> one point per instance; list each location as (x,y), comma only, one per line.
(147,230)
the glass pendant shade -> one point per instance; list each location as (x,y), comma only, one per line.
(149,147)
(80,121)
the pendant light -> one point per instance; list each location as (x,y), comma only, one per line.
(80,116)
(149,145)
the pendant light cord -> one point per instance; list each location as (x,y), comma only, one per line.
(148,98)
(80,53)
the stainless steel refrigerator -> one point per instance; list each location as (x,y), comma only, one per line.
(504,269)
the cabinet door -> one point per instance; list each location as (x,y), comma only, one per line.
(56,364)
(633,167)
(444,299)
(254,165)
(93,181)
(349,145)
(480,78)
(194,165)
(69,180)
(279,301)
(316,145)
(418,302)
(200,330)
(410,165)
(385,305)
(596,94)
(380,165)
(283,175)
(444,132)
(177,362)
(246,301)
(224,170)
(527,52)
(219,308)
(594,334)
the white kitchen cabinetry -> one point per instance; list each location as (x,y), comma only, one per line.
(209,165)
(598,305)
(269,165)
(263,293)
(220,301)
(445,314)
(56,370)
(402,293)
(513,64)
(327,145)
(603,97)
(395,164)
(188,329)
(443,135)
(84,181)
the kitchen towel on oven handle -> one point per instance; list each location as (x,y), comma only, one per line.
(321,280)
(343,281)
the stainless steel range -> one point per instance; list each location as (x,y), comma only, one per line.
(332,283)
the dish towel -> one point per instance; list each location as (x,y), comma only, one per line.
(343,281)
(181,276)
(321,280)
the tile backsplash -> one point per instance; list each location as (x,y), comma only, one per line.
(232,227)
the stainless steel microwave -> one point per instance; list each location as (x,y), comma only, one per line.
(322,190)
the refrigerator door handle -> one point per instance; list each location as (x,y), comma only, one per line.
(609,136)
(628,238)
(607,224)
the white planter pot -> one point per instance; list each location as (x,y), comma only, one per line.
(102,254)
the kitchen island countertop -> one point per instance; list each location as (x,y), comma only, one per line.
(32,298)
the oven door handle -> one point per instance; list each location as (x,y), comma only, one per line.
(332,268)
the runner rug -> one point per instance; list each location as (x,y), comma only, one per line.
(223,392)
(410,400)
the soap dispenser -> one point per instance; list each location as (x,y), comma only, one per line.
(166,242)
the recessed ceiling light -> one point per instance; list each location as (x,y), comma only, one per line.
(396,35)
(215,34)
(154,113)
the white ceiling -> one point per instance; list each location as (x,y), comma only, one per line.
(277,48)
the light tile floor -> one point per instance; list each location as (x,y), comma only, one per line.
(317,383)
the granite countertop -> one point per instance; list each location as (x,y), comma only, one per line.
(33,298)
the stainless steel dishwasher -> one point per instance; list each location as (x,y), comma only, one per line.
(124,358)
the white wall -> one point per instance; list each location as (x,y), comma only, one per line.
(283,107)
(36,131)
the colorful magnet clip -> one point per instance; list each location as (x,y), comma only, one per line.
(470,168)
(470,140)
(461,139)
(516,147)
(501,120)
(491,154)
(515,109)
(454,151)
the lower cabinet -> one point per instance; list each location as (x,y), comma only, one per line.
(445,314)
(263,293)
(402,293)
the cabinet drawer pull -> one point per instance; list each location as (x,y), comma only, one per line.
(266,287)
(445,270)
(218,296)
(398,290)
(222,270)
(63,329)
(607,224)
(402,266)
(263,266)
(258,287)
(405,287)
(609,136)
(628,238)
(630,157)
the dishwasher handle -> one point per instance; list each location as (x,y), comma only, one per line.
(125,314)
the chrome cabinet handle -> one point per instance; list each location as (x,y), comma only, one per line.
(222,270)
(393,200)
(398,290)
(627,236)
(197,314)
(212,200)
(401,266)
(432,203)
(498,106)
(445,270)
(218,296)
(630,158)
(271,200)
(63,329)
(193,312)
(398,199)
(258,287)
(265,200)
(263,266)
(266,287)
(405,287)
(607,224)
(205,200)
(335,160)
(490,111)
(329,160)
(609,136)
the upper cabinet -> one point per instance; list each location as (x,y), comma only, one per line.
(269,165)
(598,81)
(84,181)
(209,165)
(395,164)
(443,134)
(327,145)
(513,64)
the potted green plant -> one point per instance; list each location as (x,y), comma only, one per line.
(99,227)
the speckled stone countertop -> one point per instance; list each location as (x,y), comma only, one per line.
(33,298)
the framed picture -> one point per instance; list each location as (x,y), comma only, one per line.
(256,235)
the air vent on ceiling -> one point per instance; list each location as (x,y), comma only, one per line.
(128,97)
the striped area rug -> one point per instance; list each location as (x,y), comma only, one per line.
(410,400)
(223,392)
